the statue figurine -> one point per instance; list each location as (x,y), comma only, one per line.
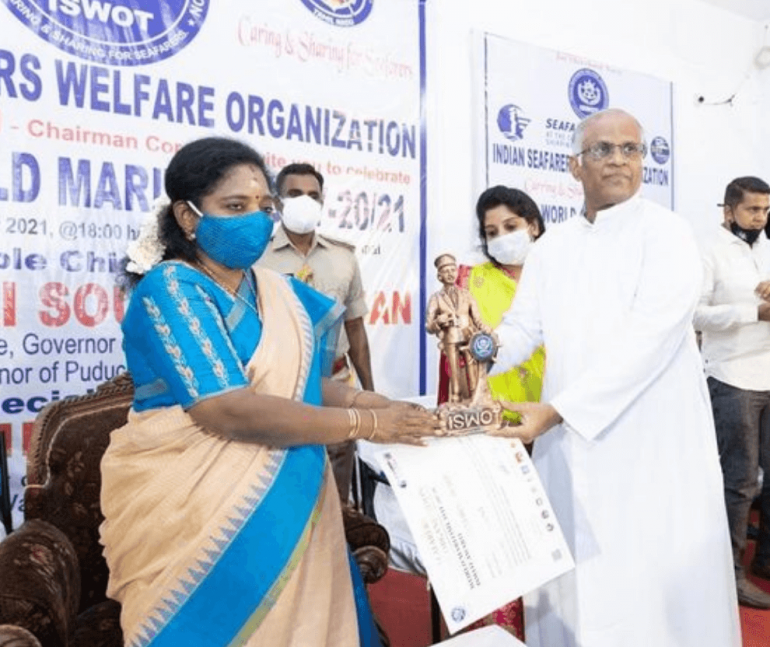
(453,315)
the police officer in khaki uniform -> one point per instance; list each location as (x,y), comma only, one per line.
(330,266)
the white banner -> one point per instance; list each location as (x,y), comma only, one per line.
(530,99)
(96,96)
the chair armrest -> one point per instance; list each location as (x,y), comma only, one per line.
(369,543)
(361,530)
(372,562)
(40,587)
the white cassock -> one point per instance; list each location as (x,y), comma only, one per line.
(633,472)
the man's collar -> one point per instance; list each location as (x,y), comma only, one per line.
(281,239)
(609,212)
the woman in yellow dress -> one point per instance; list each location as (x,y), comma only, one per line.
(509,222)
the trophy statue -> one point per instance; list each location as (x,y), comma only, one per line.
(469,346)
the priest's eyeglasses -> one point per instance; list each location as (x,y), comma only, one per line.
(603,150)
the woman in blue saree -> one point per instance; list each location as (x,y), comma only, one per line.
(221,522)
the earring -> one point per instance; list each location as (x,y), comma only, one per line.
(191,236)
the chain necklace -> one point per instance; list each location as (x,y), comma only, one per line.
(234,293)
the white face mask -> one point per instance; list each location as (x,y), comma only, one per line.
(511,249)
(300,214)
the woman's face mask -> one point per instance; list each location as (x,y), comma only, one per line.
(511,249)
(300,214)
(236,242)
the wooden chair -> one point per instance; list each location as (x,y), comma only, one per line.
(54,577)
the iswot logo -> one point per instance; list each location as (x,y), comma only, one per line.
(512,122)
(340,13)
(137,32)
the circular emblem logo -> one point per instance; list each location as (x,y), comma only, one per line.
(512,122)
(587,93)
(340,13)
(458,613)
(659,150)
(483,347)
(135,33)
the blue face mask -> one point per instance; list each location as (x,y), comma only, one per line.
(236,242)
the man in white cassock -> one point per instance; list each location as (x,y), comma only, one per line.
(624,436)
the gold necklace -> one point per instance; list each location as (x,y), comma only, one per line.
(234,293)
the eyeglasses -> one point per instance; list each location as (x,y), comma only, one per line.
(603,150)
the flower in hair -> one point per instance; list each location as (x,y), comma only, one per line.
(146,251)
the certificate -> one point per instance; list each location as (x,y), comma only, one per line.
(485,530)
(491,636)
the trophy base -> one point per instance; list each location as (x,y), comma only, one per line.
(463,419)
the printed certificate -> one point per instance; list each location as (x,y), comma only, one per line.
(485,530)
(491,636)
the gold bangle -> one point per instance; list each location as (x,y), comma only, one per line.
(351,422)
(354,417)
(374,425)
(357,430)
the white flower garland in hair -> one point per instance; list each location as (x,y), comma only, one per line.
(146,251)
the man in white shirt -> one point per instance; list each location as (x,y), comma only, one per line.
(734,317)
(624,435)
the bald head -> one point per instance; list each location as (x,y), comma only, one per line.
(578,136)
(607,160)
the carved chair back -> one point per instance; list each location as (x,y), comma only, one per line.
(68,441)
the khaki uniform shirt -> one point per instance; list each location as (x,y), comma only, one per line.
(330,267)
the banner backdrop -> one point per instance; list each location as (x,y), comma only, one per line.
(530,101)
(96,96)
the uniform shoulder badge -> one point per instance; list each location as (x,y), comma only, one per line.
(338,242)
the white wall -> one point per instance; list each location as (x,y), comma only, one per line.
(704,50)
